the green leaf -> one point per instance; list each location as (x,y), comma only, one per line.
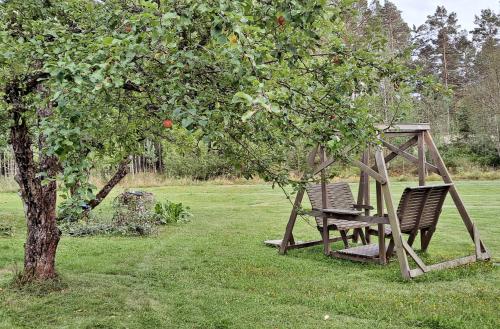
(249,114)
(186,122)
(169,16)
(107,41)
(241,97)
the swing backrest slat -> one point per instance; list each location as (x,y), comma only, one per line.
(339,196)
(420,207)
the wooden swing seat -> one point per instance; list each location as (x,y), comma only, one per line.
(340,202)
(418,210)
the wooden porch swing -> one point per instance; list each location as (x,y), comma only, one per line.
(418,210)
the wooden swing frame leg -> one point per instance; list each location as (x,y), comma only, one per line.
(288,236)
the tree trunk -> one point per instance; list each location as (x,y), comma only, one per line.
(498,135)
(39,199)
(39,205)
(3,158)
(43,237)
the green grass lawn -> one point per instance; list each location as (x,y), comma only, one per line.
(215,272)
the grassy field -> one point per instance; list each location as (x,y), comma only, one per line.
(215,272)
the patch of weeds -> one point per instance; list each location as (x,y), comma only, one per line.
(6,230)
(126,229)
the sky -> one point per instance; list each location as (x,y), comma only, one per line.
(415,12)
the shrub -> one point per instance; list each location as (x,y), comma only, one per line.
(460,154)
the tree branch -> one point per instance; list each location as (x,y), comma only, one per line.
(120,173)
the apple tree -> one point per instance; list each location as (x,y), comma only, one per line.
(86,80)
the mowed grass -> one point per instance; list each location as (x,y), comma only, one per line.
(215,272)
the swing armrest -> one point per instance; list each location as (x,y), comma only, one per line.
(362,206)
(336,211)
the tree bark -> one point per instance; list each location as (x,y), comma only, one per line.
(39,199)
(39,205)
(120,173)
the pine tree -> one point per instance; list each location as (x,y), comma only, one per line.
(487,27)
(482,96)
(443,50)
(394,27)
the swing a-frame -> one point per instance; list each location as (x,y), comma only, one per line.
(417,212)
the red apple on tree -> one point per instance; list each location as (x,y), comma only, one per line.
(168,123)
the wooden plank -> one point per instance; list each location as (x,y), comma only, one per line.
(367,251)
(362,206)
(421,159)
(448,264)
(477,241)
(277,243)
(375,175)
(381,227)
(335,211)
(347,217)
(361,187)
(343,234)
(303,244)
(421,209)
(412,127)
(402,147)
(362,235)
(393,217)
(453,190)
(324,202)
(296,206)
(323,165)
(401,134)
(415,257)
(426,237)
(353,258)
(409,157)
(366,194)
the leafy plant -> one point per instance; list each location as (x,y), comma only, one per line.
(171,212)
